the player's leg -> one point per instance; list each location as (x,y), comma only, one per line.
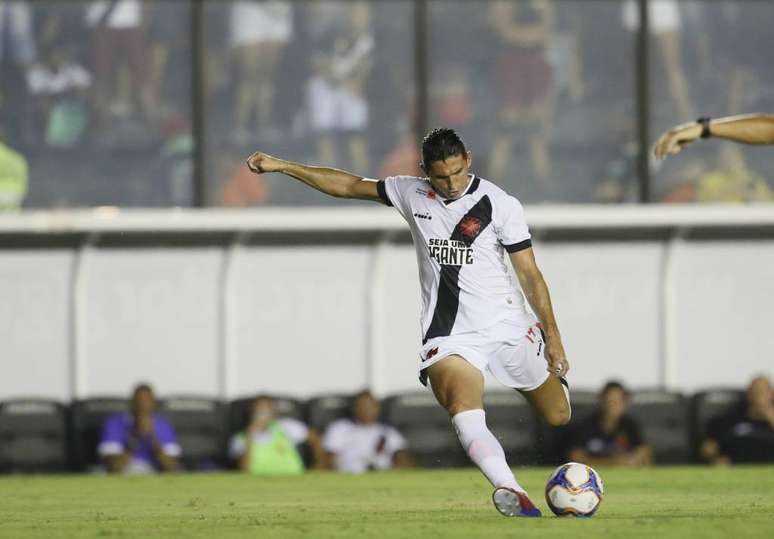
(551,400)
(459,388)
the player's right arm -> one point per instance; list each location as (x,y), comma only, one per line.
(747,129)
(331,181)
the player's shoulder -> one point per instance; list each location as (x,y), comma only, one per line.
(340,425)
(407,182)
(495,192)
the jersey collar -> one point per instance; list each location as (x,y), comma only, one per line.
(475,181)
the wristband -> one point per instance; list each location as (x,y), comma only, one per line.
(704,121)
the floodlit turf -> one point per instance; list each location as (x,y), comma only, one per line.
(653,503)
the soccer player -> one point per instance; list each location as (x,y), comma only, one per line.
(745,128)
(473,314)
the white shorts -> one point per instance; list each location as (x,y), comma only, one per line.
(513,353)
(253,23)
(333,107)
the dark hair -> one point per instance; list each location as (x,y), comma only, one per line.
(142,387)
(614,384)
(362,393)
(439,144)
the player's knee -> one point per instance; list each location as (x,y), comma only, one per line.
(558,416)
(455,408)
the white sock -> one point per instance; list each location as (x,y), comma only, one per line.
(484,449)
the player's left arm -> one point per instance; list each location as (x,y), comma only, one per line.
(536,291)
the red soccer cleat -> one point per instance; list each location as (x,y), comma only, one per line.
(512,503)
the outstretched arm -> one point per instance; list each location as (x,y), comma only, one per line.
(747,129)
(330,181)
(536,290)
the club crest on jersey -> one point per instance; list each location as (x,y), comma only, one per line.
(428,193)
(470,226)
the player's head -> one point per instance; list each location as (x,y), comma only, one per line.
(143,400)
(263,409)
(760,393)
(365,408)
(613,400)
(446,162)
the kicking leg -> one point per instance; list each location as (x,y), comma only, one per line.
(551,400)
(459,388)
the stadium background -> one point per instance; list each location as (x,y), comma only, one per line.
(127,260)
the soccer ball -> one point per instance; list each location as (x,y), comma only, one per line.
(574,489)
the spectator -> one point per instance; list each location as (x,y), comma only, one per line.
(139,441)
(362,443)
(240,187)
(18,52)
(13,176)
(746,434)
(524,78)
(260,31)
(118,48)
(609,436)
(58,88)
(269,445)
(665,24)
(336,91)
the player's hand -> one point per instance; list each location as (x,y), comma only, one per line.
(261,162)
(557,360)
(673,141)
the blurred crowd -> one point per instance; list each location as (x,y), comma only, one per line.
(96,100)
(271,435)
(142,441)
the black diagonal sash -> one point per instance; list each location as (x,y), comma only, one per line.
(448,302)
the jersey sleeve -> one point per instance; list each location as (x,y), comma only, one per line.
(113,437)
(395,441)
(392,192)
(634,433)
(294,429)
(335,437)
(512,230)
(165,434)
(237,446)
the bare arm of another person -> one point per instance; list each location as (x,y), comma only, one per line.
(536,291)
(166,462)
(117,463)
(747,129)
(321,460)
(502,17)
(711,453)
(331,181)
(641,455)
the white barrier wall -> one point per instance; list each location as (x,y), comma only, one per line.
(307,302)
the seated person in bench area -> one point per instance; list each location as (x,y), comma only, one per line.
(747,433)
(362,443)
(140,440)
(610,437)
(269,445)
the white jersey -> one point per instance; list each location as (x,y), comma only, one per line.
(460,245)
(358,447)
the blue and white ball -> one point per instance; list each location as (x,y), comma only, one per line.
(574,490)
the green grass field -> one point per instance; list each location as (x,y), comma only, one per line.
(652,503)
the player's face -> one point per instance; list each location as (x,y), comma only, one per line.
(760,393)
(613,403)
(366,409)
(450,176)
(263,410)
(143,403)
